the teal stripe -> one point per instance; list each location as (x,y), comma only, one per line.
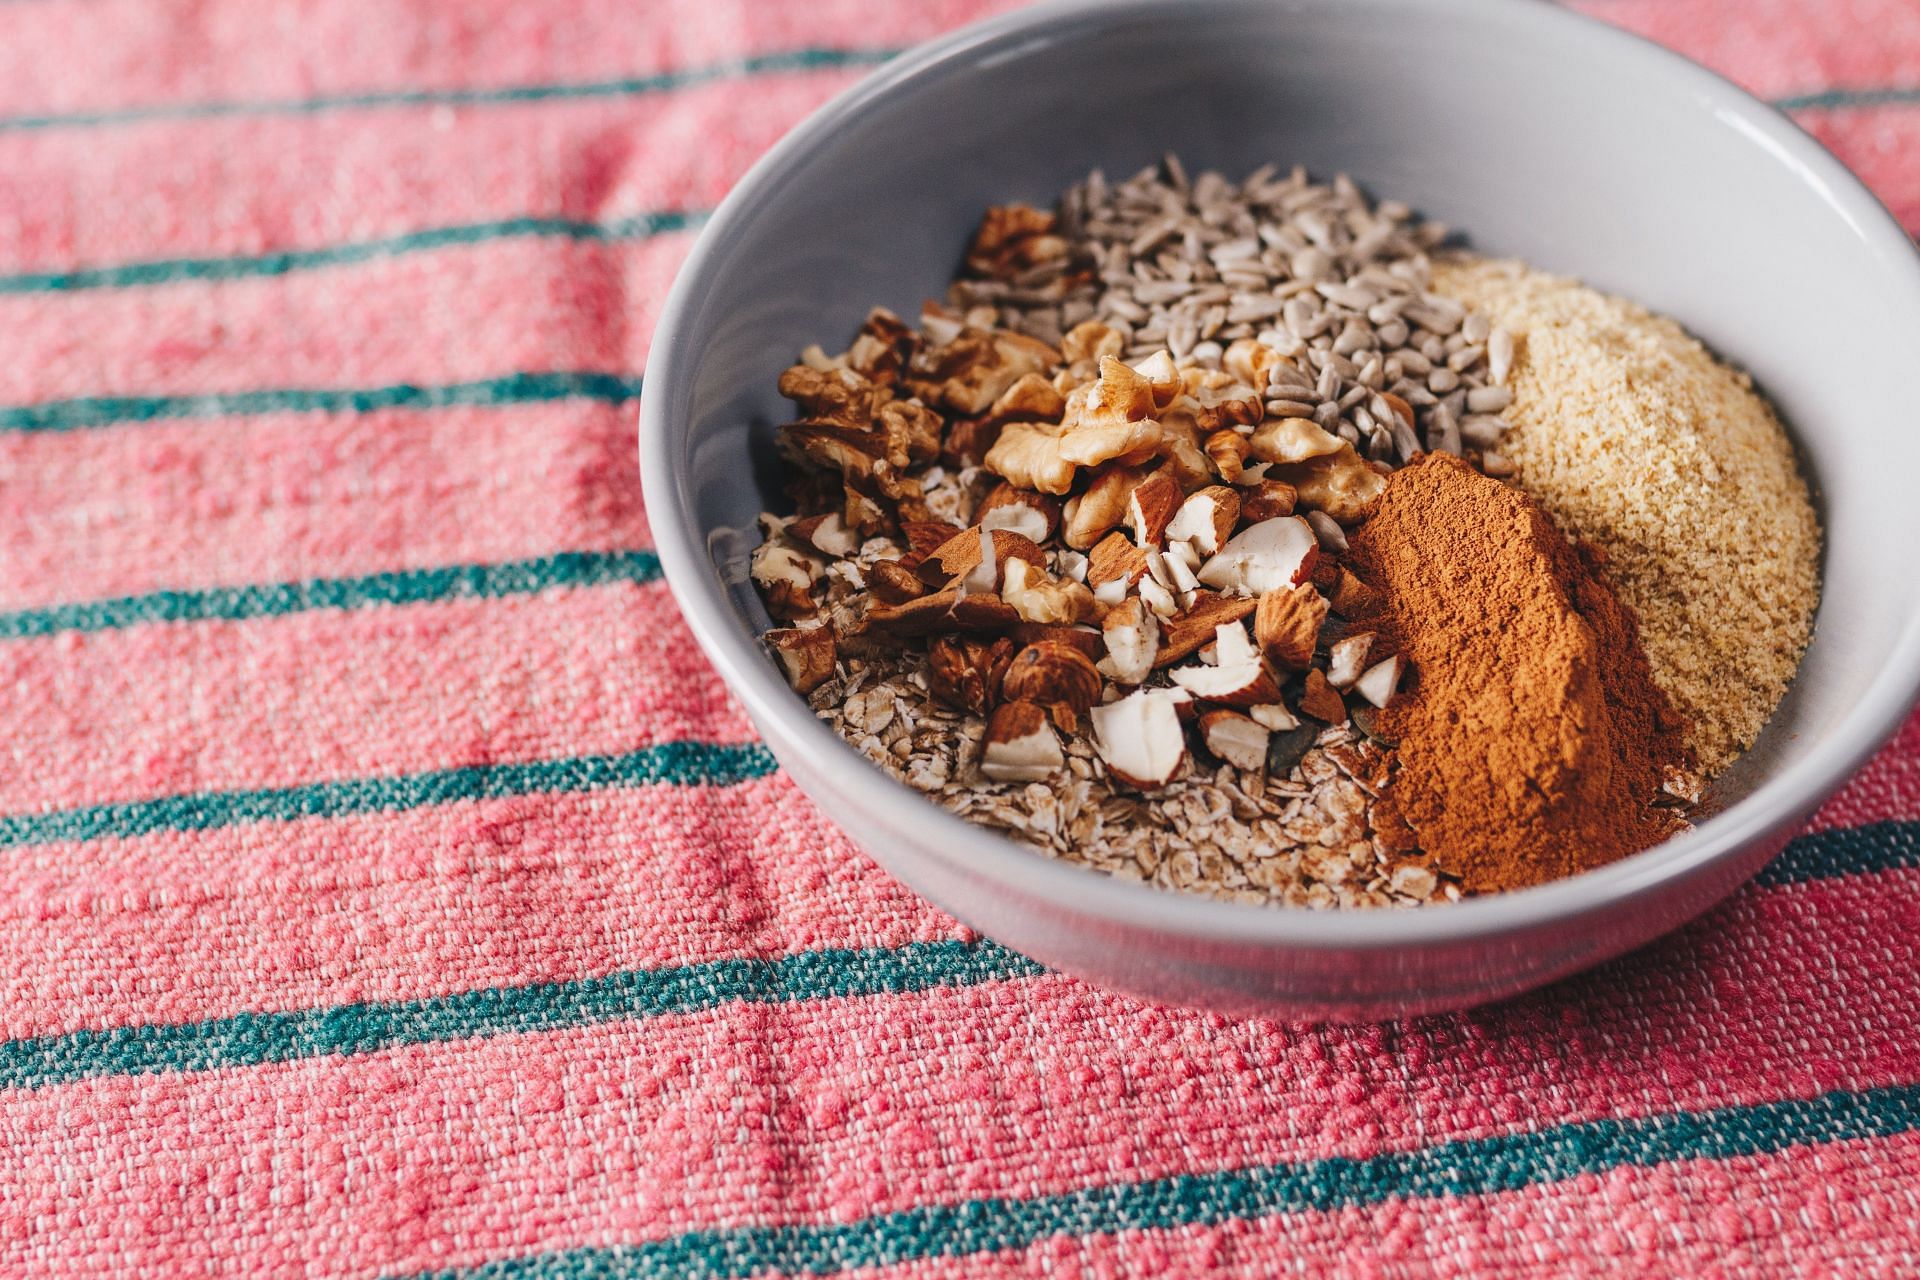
(681,763)
(251,1039)
(810,59)
(1841,99)
(514,388)
(816,59)
(244,266)
(411,586)
(1848,851)
(1474,1167)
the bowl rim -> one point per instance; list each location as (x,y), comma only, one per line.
(977,852)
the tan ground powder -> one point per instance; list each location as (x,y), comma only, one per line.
(1638,441)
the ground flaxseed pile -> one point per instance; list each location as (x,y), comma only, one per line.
(1533,744)
(1638,441)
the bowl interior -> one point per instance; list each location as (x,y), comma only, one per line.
(1538,134)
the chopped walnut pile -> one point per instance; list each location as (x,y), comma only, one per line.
(1094,603)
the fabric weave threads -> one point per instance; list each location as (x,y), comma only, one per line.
(392,890)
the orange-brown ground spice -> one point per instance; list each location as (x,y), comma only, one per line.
(1532,741)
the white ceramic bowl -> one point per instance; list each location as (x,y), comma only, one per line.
(1542,135)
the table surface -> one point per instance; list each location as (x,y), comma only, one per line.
(392,888)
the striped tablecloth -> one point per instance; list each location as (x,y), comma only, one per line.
(390,888)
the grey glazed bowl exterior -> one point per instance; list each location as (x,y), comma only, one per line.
(1548,137)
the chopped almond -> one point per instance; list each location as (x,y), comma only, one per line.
(1183,635)
(1115,559)
(1151,507)
(1140,738)
(1206,519)
(1234,738)
(827,534)
(966,551)
(1132,634)
(1288,626)
(806,655)
(1381,681)
(1239,678)
(1347,658)
(1022,511)
(1082,637)
(1020,746)
(1268,556)
(1321,700)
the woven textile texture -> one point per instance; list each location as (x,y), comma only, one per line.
(391,888)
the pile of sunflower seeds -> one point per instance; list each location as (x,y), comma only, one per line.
(1303,839)
(1318,272)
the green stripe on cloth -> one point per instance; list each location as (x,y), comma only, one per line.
(625,87)
(282,262)
(251,1039)
(510,389)
(674,763)
(401,587)
(1841,99)
(1473,1167)
(1845,851)
(254,1038)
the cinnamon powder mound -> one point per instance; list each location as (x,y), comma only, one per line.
(1532,741)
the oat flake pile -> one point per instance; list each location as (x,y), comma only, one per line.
(1076,556)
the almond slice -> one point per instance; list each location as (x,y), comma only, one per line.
(1183,635)
(1381,680)
(827,534)
(1269,556)
(1132,634)
(1020,746)
(1234,738)
(1151,507)
(1274,716)
(1140,738)
(1239,680)
(959,556)
(1158,598)
(1031,515)
(1115,559)
(1206,518)
(1347,658)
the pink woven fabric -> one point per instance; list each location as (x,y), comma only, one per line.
(393,890)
